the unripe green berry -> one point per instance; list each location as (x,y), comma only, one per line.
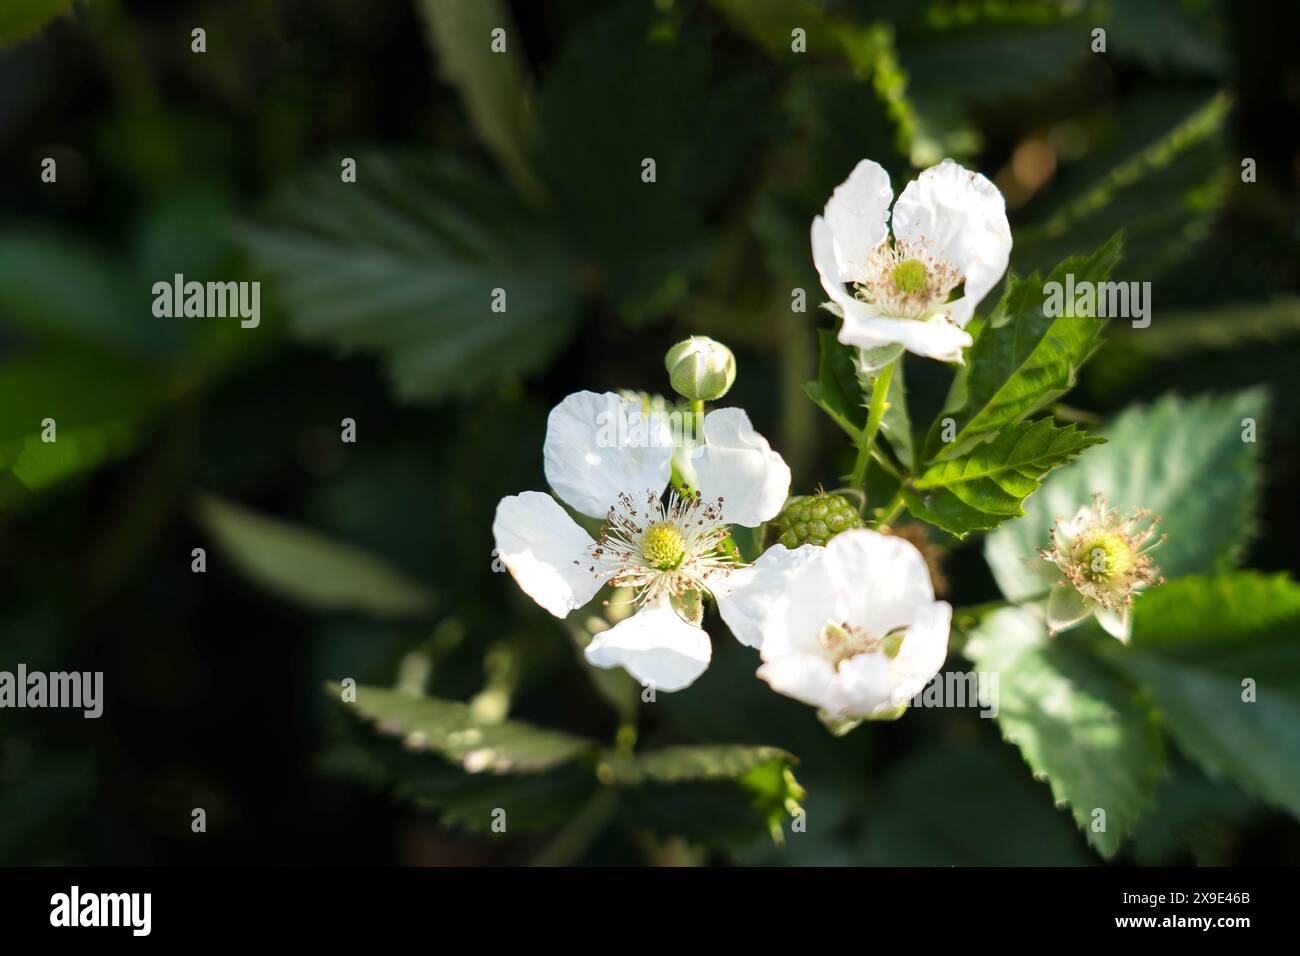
(815,519)
(700,368)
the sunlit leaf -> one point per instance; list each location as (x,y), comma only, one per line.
(1076,723)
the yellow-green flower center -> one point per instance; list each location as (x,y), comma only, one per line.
(1105,555)
(663,546)
(844,641)
(909,277)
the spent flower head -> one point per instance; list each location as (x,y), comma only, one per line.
(1102,559)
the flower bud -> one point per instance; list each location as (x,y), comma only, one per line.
(700,369)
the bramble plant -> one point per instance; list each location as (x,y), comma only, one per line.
(761,431)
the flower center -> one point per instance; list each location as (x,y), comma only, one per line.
(841,640)
(908,280)
(1104,555)
(663,546)
(909,277)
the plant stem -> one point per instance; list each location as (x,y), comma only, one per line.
(875,412)
(892,510)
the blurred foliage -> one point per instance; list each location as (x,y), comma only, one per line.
(523,171)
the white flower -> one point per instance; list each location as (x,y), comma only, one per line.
(659,548)
(950,230)
(851,628)
(1101,560)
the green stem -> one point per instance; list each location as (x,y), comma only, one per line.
(875,412)
(892,510)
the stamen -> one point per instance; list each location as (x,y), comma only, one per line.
(907,280)
(679,547)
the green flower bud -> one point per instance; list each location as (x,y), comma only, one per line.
(700,369)
(815,519)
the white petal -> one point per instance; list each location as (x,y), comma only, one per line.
(1066,607)
(599,446)
(925,648)
(1116,623)
(805,677)
(881,581)
(932,338)
(862,687)
(784,592)
(656,647)
(857,213)
(737,464)
(546,552)
(828,267)
(962,217)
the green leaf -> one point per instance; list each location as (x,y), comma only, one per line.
(1195,643)
(1197,615)
(995,479)
(1022,359)
(722,795)
(1001,819)
(843,393)
(449,729)
(20,19)
(308,567)
(1185,460)
(945,510)
(895,424)
(1255,744)
(1076,723)
(406,262)
(693,764)
(429,752)
(491,82)
(99,405)
(836,390)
